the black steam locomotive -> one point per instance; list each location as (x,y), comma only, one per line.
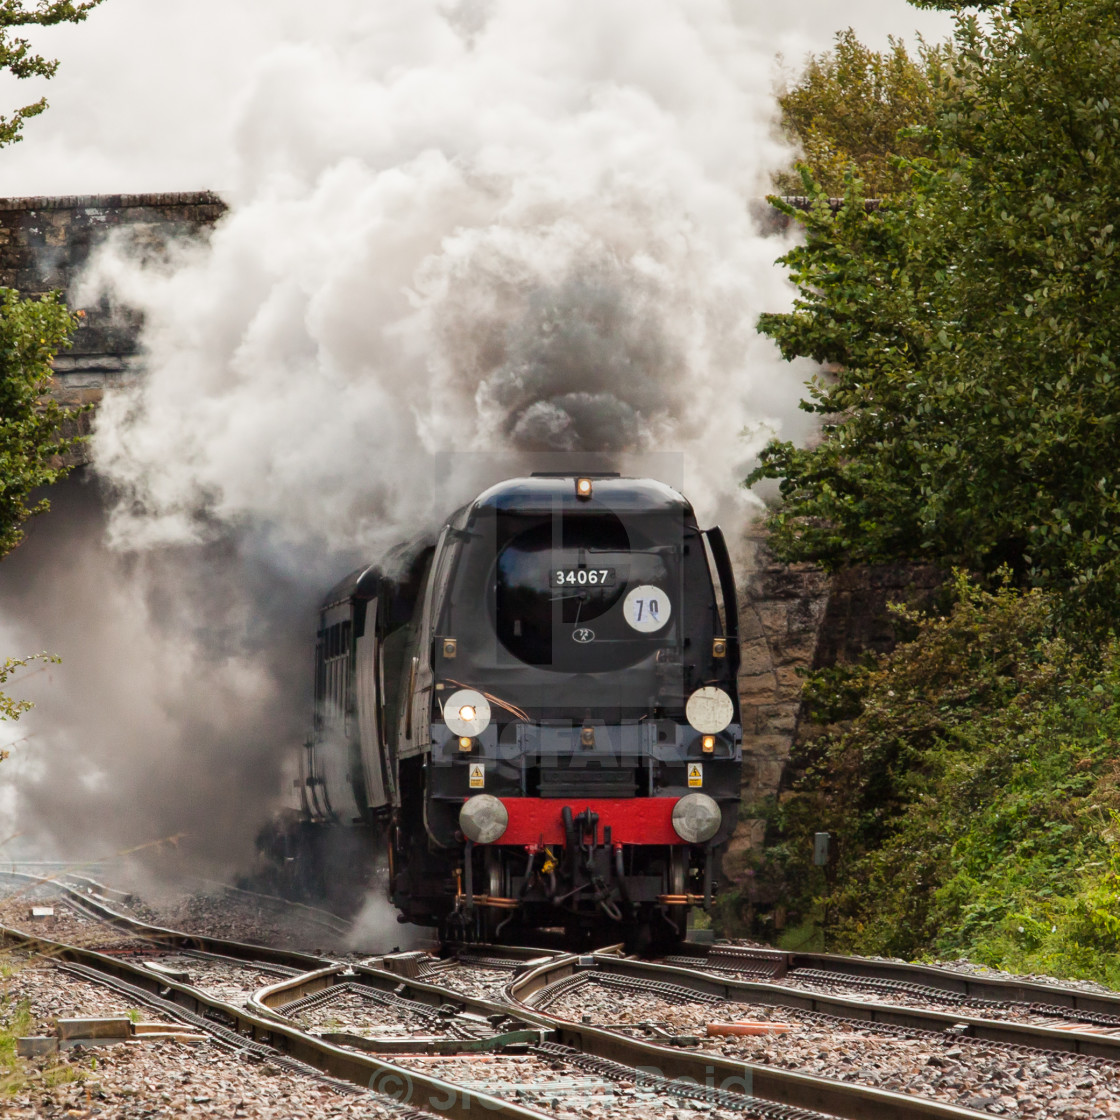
(535,715)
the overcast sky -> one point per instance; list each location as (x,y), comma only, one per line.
(148,91)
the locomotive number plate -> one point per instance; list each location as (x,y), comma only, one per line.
(582,577)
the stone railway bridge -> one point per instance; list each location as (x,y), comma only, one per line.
(46,242)
(792,617)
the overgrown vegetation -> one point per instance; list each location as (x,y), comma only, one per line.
(970,779)
(972,327)
(14,1022)
(971,785)
(31,331)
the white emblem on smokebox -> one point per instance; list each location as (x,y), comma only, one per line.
(583,635)
(478,776)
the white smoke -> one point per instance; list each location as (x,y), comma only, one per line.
(142,101)
(493,226)
(485,228)
(181,686)
(375,929)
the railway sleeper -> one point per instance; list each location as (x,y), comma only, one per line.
(679,1088)
(956,999)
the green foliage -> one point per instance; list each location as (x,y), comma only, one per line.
(846,109)
(31,334)
(956,5)
(12,709)
(17,56)
(16,1021)
(972,327)
(973,797)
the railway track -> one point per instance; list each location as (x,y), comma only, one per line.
(527,1032)
(508,1048)
(892,982)
(963,1058)
(129,973)
(436,1047)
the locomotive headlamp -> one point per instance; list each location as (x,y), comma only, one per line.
(583,488)
(708,744)
(466,713)
(709,710)
(696,818)
(483,818)
(465,742)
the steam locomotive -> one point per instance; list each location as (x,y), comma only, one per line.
(534,715)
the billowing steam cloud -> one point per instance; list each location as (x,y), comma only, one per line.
(166,723)
(503,226)
(489,227)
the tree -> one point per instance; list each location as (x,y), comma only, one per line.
(12,709)
(17,57)
(956,5)
(31,331)
(31,334)
(974,327)
(847,108)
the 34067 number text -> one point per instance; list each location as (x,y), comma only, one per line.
(582,577)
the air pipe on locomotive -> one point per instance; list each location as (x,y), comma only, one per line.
(535,715)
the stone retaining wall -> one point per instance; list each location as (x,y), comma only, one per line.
(794,618)
(781,610)
(46,242)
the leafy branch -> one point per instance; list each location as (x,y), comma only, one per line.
(19,58)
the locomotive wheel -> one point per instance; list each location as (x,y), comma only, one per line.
(490,918)
(678,883)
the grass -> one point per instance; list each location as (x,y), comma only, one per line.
(17,1021)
